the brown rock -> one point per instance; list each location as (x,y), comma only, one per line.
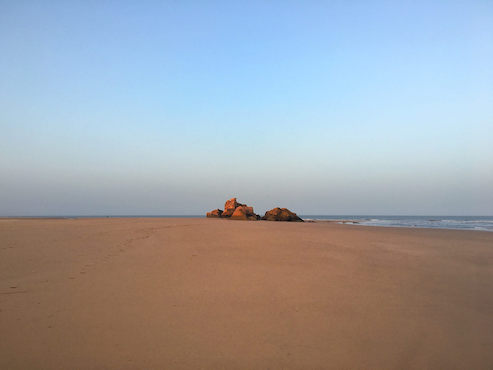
(228,212)
(244,213)
(232,204)
(215,213)
(281,214)
(233,208)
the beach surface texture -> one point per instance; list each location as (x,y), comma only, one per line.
(185,293)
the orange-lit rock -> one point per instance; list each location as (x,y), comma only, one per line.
(232,204)
(228,212)
(234,210)
(281,214)
(215,213)
(244,213)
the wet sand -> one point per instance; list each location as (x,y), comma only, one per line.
(219,294)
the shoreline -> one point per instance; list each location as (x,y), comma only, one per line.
(360,224)
(350,222)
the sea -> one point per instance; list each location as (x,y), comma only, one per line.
(484,223)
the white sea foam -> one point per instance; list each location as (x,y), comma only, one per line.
(482,223)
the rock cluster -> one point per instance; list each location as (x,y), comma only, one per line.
(234,211)
(237,211)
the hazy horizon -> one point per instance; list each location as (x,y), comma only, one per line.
(326,108)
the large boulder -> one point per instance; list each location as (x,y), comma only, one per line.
(215,213)
(230,206)
(281,214)
(244,213)
(232,203)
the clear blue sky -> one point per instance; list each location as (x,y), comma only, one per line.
(325,107)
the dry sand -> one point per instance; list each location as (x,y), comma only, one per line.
(219,294)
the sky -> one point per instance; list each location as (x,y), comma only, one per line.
(172,107)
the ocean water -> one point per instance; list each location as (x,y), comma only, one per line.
(484,223)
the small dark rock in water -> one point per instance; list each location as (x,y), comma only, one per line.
(281,214)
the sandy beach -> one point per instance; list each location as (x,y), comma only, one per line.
(218,294)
